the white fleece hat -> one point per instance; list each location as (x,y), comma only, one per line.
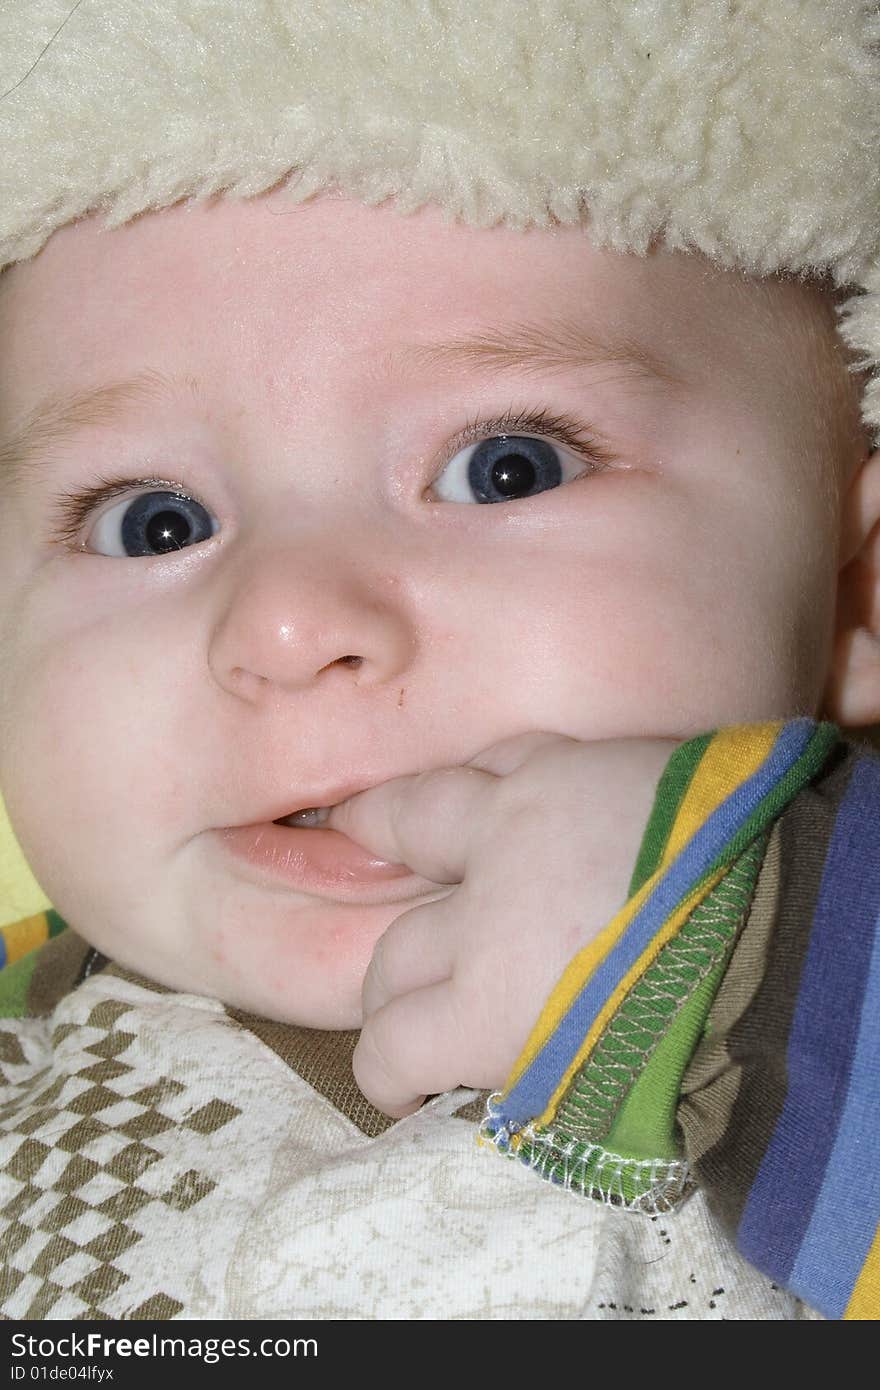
(748,130)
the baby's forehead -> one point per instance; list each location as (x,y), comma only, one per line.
(235,239)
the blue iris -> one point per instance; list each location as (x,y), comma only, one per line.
(513,466)
(159,522)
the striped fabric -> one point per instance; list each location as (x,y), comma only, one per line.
(808,1189)
(18,938)
(770,836)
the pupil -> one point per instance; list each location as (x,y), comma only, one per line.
(513,474)
(168,531)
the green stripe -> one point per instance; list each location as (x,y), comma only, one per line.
(677,777)
(15,981)
(55,923)
(645,1124)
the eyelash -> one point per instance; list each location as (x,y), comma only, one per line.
(73,509)
(561,429)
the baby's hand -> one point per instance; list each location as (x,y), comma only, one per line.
(539,834)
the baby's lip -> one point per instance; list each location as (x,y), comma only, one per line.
(290,802)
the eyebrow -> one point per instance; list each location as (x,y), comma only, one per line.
(61,416)
(563,345)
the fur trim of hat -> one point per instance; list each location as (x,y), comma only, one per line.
(748,130)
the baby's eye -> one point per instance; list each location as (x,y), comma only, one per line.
(153,523)
(504,467)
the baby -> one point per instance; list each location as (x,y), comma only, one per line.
(438,540)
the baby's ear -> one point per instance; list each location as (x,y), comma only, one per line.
(852,695)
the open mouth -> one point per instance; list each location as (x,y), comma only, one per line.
(309,816)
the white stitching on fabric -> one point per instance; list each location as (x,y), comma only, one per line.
(590,1170)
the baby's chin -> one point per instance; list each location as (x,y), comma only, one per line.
(295,993)
(307,969)
(329,1003)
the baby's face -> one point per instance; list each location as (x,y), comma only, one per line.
(321,565)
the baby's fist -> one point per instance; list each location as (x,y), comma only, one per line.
(538,837)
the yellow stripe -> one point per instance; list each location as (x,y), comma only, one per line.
(864,1303)
(24,936)
(731,758)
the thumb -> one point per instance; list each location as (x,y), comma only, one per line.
(426,822)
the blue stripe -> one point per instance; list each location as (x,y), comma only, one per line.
(2,948)
(823,1037)
(532,1092)
(848,1209)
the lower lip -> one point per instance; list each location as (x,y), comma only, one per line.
(324,862)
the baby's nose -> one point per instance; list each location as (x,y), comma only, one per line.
(287,622)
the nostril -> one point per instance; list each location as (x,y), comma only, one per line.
(354,661)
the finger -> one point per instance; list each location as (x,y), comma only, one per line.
(416,950)
(426,822)
(510,753)
(409,1049)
